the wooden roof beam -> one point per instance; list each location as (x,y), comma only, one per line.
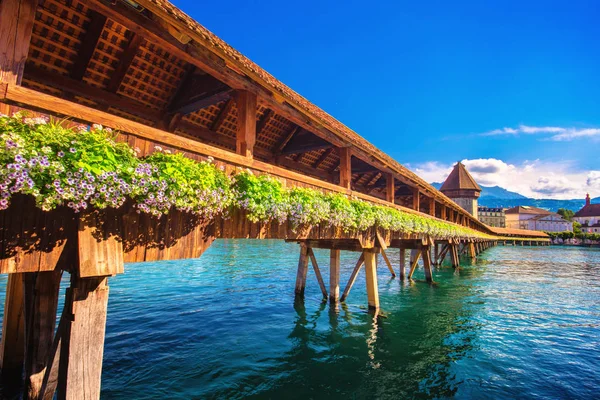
(223,113)
(88,45)
(264,120)
(79,88)
(322,157)
(286,139)
(198,92)
(127,58)
(286,162)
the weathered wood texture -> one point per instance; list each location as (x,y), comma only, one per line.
(334,276)
(371,279)
(16,25)
(302,271)
(41,303)
(12,347)
(83,339)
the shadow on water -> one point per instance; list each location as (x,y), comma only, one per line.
(518,323)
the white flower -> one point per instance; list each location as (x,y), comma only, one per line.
(97,127)
(158,148)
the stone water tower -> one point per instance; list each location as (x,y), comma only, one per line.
(462,188)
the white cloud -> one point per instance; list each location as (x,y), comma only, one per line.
(555,133)
(537,179)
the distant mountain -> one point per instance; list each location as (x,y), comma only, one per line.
(495,196)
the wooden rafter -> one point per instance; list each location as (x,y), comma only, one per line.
(305,169)
(88,45)
(127,58)
(286,139)
(223,113)
(198,92)
(267,116)
(79,88)
(322,157)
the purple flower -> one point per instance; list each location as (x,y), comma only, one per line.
(61,154)
(73,150)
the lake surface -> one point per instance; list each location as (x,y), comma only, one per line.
(523,322)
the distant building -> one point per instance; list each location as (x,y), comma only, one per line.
(492,216)
(462,188)
(589,217)
(536,219)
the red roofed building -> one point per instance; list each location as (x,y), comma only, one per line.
(589,217)
(536,219)
(462,188)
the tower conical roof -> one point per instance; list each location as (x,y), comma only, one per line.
(460,179)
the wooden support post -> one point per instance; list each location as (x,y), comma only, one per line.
(82,343)
(432,206)
(313,260)
(454,255)
(414,261)
(302,270)
(390,190)
(426,254)
(371,274)
(16,26)
(246,123)
(443,253)
(41,302)
(359,263)
(12,348)
(472,252)
(345,167)
(443,212)
(334,276)
(402,263)
(415,199)
(388,263)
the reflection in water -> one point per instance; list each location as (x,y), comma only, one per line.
(521,323)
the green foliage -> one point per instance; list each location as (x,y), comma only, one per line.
(574,235)
(82,167)
(566,213)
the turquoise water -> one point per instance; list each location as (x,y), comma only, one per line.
(523,322)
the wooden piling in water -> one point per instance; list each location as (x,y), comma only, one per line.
(302,270)
(334,276)
(371,280)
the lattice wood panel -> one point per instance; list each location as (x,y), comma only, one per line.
(153,77)
(107,54)
(57,32)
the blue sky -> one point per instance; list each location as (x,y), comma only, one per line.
(431,83)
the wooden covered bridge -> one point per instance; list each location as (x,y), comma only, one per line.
(150,72)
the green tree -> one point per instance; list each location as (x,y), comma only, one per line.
(566,213)
(576,227)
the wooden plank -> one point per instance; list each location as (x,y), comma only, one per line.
(371,279)
(82,344)
(345,154)
(16,25)
(127,57)
(302,270)
(100,250)
(88,45)
(334,276)
(313,260)
(353,276)
(41,303)
(12,347)
(246,123)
